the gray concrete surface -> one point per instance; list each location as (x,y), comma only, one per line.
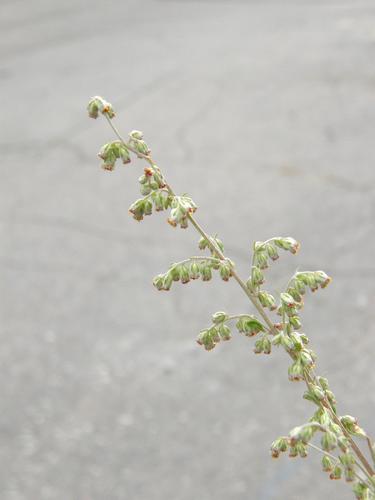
(264,112)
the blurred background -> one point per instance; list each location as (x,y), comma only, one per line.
(263,111)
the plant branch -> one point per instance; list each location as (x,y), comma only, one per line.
(310,377)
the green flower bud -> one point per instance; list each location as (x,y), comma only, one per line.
(203,243)
(205,339)
(260,260)
(299,286)
(249,325)
(293,452)
(194,271)
(331,397)
(148,207)
(215,264)
(323,383)
(317,392)
(322,278)
(219,317)
(287,300)
(175,272)
(306,358)
(158,281)
(349,474)
(267,300)
(263,345)
(137,209)
(136,134)
(184,224)
(280,445)
(293,292)
(224,332)
(289,244)
(206,273)
(167,201)
(347,459)
(98,105)
(213,331)
(271,251)
(301,434)
(350,423)
(295,372)
(336,473)
(184,274)
(301,449)
(257,277)
(361,491)
(328,441)
(225,270)
(327,463)
(157,198)
(167,281)
(145,189)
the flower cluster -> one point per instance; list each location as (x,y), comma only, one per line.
(247,324)
(98,105)
(113,151)
(192,269)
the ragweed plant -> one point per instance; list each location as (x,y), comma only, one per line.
(276,322)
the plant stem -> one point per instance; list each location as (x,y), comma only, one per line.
(310,378)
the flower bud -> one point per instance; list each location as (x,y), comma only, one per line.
(203,243)
(214,333)
(293,452)
(343,443)
(136,134)
(349,473)
(295,322)
(361,491)
(336,473)
(267,300)
(224,332)
(306,358)
(260,260)
(206,272)
(167,281)
(271,251)
(287,300)
(263,345)
(301,449)
(184,274)
(145,189)
(257,277)
(137,209)
(194,270)
(158,281)
(98,105)
(184,224)
(327,464)
(249,325)
(225,270)
(295,372)
(322,278)
(148,207)
(323,383)
(158,201)
(328,441)
(289,244)
(280,445)
(175,272)
(205,339)
(219,317)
